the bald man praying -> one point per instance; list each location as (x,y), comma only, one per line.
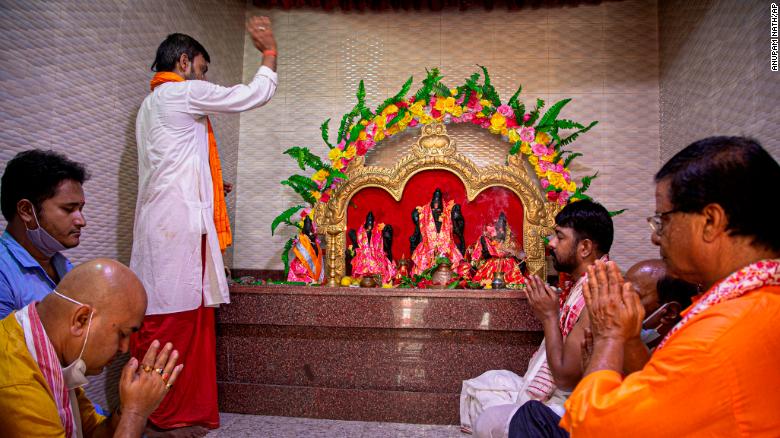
(49,347)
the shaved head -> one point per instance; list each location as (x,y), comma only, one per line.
(644,276)
(112,306)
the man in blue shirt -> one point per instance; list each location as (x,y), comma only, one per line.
(42,199)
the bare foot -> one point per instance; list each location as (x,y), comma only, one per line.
(181,432)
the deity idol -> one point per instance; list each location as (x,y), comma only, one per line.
(496,251)
(373,254)
(435,232)
(307,265)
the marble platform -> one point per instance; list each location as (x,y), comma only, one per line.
(390,355)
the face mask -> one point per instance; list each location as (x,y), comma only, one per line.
(649,335)
(42,240)
(75,373)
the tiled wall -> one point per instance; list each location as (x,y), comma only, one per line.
(605,56)
(715,75)
(73,75)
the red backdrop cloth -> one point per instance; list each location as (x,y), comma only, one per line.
(483,210)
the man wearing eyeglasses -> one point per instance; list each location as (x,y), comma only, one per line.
(716,372)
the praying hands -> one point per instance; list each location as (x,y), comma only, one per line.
(616,315)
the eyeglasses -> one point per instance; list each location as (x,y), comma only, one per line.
(656,221)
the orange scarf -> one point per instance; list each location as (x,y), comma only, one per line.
(221,220)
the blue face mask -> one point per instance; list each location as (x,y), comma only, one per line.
(649,335)
(43,241)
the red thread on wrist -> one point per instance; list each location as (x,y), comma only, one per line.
(269,52)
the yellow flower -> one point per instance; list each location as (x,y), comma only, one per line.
(334,154)
(320,175)
(425,119)
(390,109)
(346,280)
(387,285)
(316,194)
(548,158)
(379,136)
(350,152)
(453,91)
(497,122)
(504,131)
(446,104)
(480,115)
(380,122)
(457,111)
(557,180)
(543,138)
(572,187)
(525,148)
(338,165)
(534,160)
(485,102)
(364,122)
(362,135)
(417,108)
(514,137)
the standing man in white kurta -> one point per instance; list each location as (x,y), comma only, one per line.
(176,248)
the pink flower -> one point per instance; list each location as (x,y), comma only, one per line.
(552,196)
(413,123)
(342,145)
(545,183)
(566,176)
(459,101)
(432,101)
(563,197)
(486,124)
(511,123)
(361,147)
(526,117)
(538,149)
(467,117)
(505,110)
(544,165)
(435,113)
(457,120)
(527,135)
(325,196)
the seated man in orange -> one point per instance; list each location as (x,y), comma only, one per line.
(46,351)
(497,251)
(711,374)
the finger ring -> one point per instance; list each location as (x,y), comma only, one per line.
(147,368)
(165,377)
(169,385)
(158,371)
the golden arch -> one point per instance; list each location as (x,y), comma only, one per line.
(436,150)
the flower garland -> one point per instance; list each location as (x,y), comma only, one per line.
(534,135)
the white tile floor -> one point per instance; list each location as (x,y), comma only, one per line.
(237,425)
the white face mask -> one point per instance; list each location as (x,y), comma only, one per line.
(45,242)
(75,373)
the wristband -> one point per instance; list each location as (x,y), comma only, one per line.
(269,52)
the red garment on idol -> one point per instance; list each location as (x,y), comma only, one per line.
(435,244)
(370,257)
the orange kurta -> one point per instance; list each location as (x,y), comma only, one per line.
(719,375)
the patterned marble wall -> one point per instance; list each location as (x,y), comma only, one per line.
(605,56)
(73,75)
(715,76)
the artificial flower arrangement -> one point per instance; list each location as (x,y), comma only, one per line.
(535,135)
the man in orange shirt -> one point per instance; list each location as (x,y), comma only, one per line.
(714,374)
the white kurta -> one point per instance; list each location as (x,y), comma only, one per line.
(175,205)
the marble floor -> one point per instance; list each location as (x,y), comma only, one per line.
(237,425)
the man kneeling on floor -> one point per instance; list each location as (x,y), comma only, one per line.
(46,351)
(583,234)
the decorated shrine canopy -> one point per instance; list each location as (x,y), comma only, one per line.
(538,134)
(416,5)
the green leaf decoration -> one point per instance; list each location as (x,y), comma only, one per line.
(398,96)
(570,158)
(586,180)
(333,174)
(535,113)
(568,124)
(617,212)
(358,109)
(515,148)
(303,186)
(324,131)
(472,84)
(552,113)
(453,285)
(432,78)
(489,90)
(286,256)
(517,107)
(305,158)
(573,136)
(441,90)
(398,117)
(285,217)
